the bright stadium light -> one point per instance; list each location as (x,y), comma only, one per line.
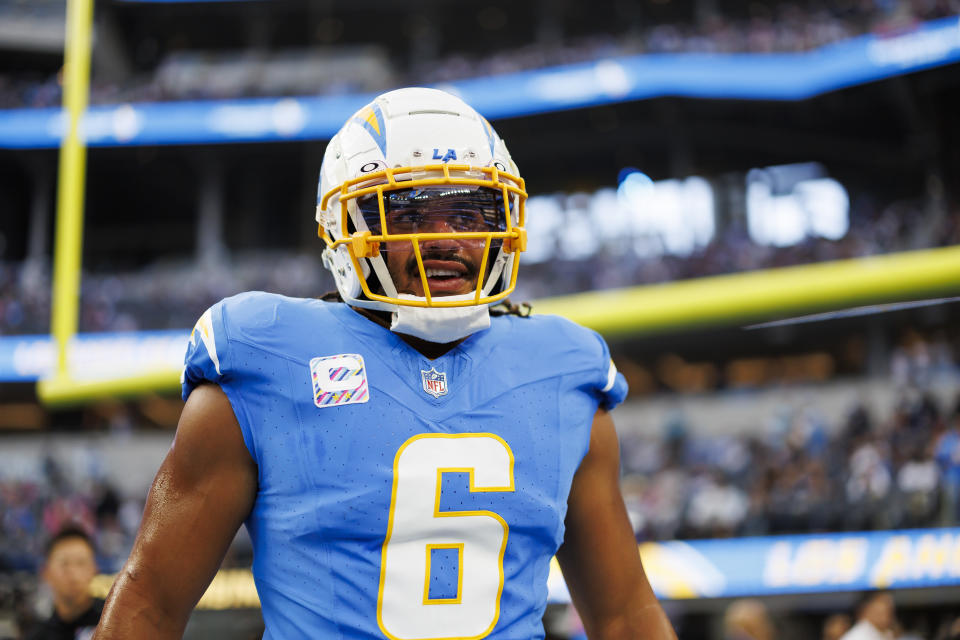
(578,238)
(828,205)
(790,203)
(683,211)
(649,218)
(610,219)
(544,217)
(774,219)
(669,216)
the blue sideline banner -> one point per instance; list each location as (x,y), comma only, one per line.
(774,565)
(94,355)
(776,76)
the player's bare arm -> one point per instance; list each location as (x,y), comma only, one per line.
(599,554)
(203,491)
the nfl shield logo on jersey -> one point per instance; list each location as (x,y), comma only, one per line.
(434,382)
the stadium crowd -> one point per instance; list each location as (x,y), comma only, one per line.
(783,27)
(163,297)
(895,471)
(789,472)
(33,509)
(798,474)
(173,295)
(873,231)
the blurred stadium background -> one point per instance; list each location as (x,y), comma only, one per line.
(710,181)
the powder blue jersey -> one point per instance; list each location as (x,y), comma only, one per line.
(401,497)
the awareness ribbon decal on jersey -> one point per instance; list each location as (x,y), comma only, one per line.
(339,380)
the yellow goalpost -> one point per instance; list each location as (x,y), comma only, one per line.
(68,243)
(764,294)
(648,309)
(63,387)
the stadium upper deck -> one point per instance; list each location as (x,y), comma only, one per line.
(167,51)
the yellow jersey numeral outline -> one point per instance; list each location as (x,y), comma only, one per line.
(438,514)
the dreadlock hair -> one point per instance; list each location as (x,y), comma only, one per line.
(502,308)
(507,308)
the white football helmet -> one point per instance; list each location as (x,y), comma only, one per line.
(411,149)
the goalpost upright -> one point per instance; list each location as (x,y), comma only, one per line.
(71,178)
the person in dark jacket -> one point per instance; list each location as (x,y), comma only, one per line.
(69,567)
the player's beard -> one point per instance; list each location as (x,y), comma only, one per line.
(442,325)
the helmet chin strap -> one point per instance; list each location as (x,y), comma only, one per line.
(440,324)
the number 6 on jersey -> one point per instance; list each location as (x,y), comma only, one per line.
(406,610)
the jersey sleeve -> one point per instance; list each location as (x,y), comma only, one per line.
(206,352)
(610,385)
(218,353)
(583,355)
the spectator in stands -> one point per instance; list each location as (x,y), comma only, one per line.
(954,632)
(835,626)
(868,484)
(68,570)
(947,455)
(875,618)
(917,483)
(747,619)
(717,507)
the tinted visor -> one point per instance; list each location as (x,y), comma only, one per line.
(436,209)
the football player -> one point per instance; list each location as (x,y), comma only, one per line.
(406,465)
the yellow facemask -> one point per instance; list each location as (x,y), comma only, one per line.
(362,232)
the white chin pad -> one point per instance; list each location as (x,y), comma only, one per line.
(440,324)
